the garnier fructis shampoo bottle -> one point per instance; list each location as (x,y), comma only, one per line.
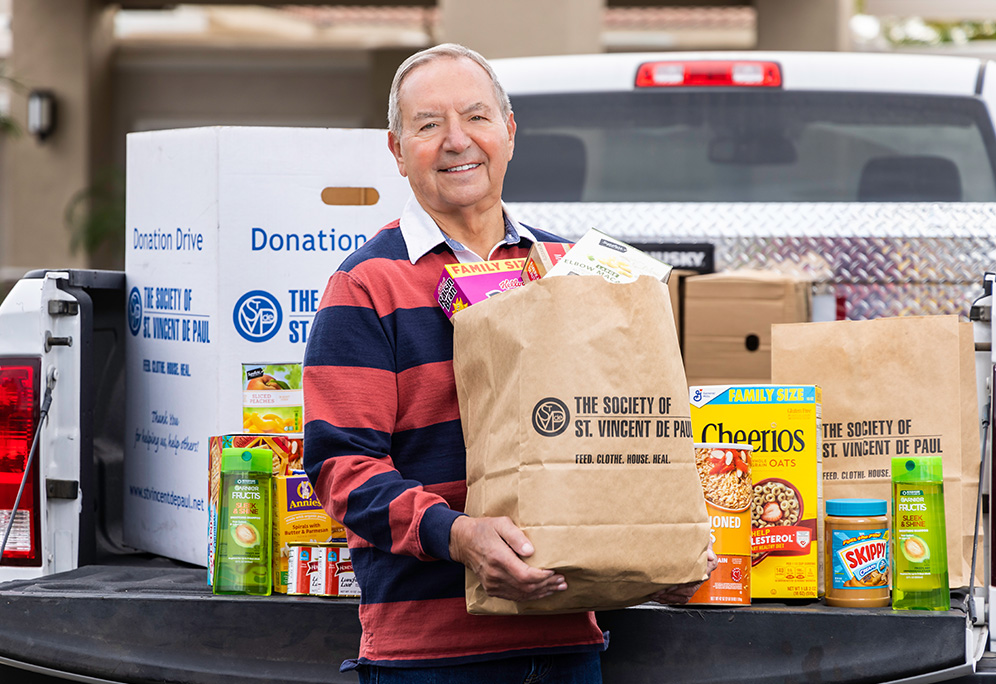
(242,545)
(920,558)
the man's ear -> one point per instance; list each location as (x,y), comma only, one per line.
(510,124)
(394,145)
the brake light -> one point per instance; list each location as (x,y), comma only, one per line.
(19,412)
(709,73)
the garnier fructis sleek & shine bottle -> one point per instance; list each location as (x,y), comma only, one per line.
(242,546)
(920,557)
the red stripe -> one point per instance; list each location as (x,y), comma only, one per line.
(375,408)
(446,630)
(406,511)
(348,473)
(399,285)
(455,493)
(427,395)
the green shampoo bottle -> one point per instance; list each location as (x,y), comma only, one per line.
(243,542)
(920,557)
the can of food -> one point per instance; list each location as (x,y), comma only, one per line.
(321,569)
(857,553)
(724,470)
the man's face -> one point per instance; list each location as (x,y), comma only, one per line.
(454,145)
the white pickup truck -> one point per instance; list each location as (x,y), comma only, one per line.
(873,175)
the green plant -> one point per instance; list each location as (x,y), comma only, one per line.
(95,215)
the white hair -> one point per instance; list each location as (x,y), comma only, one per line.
(450,51)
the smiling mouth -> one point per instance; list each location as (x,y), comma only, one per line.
(462,167)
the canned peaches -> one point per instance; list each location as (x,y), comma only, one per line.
(724,470)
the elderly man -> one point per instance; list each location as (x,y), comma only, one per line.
(383,442)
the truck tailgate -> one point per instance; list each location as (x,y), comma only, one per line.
(142,623)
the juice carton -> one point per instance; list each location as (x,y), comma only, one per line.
(541,258)
(598,254)
(782,424)
(298,517)
(272,398)
(461,285)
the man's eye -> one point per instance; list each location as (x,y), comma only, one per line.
(427,126)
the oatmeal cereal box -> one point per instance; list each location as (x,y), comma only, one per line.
(321,570)
(782,424)
(298,517)
(598,254)
(724,470)
(541,258)
(461,285)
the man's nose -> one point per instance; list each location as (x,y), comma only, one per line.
(457,139)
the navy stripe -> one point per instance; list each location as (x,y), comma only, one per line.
(388,578)
(423,335)
(323,441)
(369,348)
(431,454)
(368,508)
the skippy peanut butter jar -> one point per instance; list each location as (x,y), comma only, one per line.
(782,424)
(724,470)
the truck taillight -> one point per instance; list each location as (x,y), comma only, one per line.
(19,414)
(709,73)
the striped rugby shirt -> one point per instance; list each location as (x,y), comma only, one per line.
(384,451)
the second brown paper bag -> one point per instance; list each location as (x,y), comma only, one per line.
(576,420)
(892,387)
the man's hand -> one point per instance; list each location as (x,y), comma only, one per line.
(493,548)
(681,593)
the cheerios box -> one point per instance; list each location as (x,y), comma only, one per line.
(783,425)
(461,285)
(596,253)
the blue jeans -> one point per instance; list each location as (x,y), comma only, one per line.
(570,668)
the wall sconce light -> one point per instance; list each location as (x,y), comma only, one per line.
(41,113)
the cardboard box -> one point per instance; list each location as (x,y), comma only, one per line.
(541,258)
(272,398)
(676,288)
(298,517)
(598,254)
(461,285)
(232,234)
(727,321)
(288,455)
(783,424)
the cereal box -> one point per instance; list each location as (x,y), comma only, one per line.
(541,258)
(321,570)
(724,470)
(288,452)
(461,285)
(782,423)
(272,398)
(298,517)
(598,254)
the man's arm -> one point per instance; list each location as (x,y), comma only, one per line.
(351,406)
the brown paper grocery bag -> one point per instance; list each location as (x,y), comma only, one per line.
(576,420)
(892,387)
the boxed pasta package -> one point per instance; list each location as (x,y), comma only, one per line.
(596,253)
(782,423)
(298,517)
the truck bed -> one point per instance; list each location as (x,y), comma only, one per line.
(148,619)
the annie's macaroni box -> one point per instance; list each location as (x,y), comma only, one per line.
(782,424)
(461,285)
(298,517)
(541,258)
(598,254)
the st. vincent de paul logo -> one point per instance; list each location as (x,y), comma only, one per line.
(257,316)
(550,417)
(134,311)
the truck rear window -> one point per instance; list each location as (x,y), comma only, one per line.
(736,146)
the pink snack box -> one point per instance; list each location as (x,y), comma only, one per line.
(461,285)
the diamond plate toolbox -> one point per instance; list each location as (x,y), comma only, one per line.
(882,259)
